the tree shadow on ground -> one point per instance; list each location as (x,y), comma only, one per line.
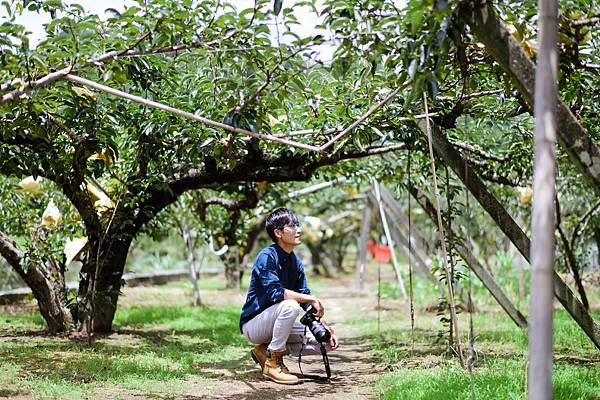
(167,343)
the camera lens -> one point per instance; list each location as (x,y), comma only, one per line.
(316,328)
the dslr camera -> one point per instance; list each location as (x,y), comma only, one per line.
(315,326)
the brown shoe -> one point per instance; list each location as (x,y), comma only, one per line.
(259,355)
(274,369)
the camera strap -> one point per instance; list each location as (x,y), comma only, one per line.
(301,350)
(325,361)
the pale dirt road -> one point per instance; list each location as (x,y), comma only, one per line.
(353,366)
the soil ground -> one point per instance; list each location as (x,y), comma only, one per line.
(164,349)
(353,367)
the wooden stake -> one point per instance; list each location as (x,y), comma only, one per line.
(544,192)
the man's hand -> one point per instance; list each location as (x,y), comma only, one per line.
(318,306)
(333,342)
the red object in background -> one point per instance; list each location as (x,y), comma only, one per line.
(380,253)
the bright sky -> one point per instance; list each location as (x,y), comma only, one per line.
(35,21)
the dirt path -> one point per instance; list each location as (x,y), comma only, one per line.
(353,367)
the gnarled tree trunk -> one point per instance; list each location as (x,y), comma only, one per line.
(100,281)
(232,261)
(46,283)
(323,264)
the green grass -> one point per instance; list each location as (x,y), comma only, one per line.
(500,371)
(162,346)
(23,321)
(493,379)
(156,349)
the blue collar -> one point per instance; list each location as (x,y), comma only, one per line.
(281,253)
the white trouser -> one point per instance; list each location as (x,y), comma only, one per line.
(276,325)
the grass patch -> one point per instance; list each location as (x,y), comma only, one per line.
(155,350)
(22,322)
(428,372)
(496,378)
(163,347)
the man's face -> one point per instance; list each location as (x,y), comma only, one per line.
(291,234)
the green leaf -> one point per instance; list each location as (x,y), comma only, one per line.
(8,9)
(412,68)
(54,3)
(107,75)
(432,89)
(277,6)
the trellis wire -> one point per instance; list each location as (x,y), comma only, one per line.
(471,355)
(451,238)
(442,241)
(410,274)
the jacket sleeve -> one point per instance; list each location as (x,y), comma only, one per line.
(267,274)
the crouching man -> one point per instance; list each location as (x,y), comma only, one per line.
(277,286)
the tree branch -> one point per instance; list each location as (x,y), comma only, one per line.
(250,169)
(17,94)
(250,200)
(269,76)
(11,253)
(371,151)
(62,127)
(587,21)
(583,221)
(485,23)
(571,260)
(478,151)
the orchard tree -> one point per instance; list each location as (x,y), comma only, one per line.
(473,59)
(209,62)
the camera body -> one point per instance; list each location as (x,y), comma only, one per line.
(315,326)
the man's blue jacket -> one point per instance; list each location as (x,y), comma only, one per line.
(273,271)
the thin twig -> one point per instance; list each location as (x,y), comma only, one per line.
(477,150)
(375,150)
(269,77)
(585,22)
(581,222)
(571,260)
(443,241)
(215,124)
(469,96)
(63,127)
(306,132)
(364,117)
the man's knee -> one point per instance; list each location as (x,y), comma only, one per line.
(289,308)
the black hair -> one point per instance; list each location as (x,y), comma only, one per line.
(278,219)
